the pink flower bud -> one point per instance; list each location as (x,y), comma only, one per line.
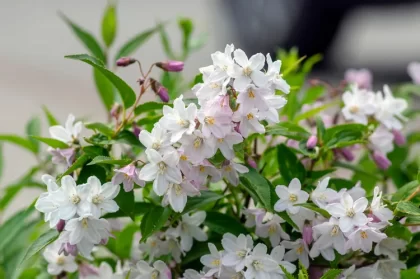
(160,90)
(87,270)
(346,153)
(312,141)
(362,77)
(399,138)
(381,160)
(104,241)
(68,249)
(252,163)
(60,225)
(307,234)
(171,66)
(136,130)
(125,61)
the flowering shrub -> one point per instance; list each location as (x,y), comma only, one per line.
(250,177)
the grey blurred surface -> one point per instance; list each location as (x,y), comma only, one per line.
(33,41)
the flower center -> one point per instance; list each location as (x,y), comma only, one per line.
(363,234)
(183,123)
(202,168)
(272,229)
(162,167)
(228,168)
(251,94)
(241,253)
(354,109)
(183,157)
(156,145)
(214,85)
(198,142)
(293,198)
(178,189)
(209,120)
(247,71)
(334,231)
(350,212)
(97,199)
(75,199)
(215,262)
(220,140)
(257,265)
(250,116)
(155,274)
(153,244)
(61,260)
(85,223)
(299,250)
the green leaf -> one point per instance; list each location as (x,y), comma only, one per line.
(206,198)
(312,94)
(133,44)
(77,164)
(101,127)
(51,142)
(258,187)
(87,39)
(344,135)
(1,160)
(165,42)
(14,225)
(222,223)
(339,183)
(315,208)
(88,171)
(33,128)
(331,274)
(408,208)
(125,201)
(187,27)
(140,208)
(397,230)
(287,273)
(104,88)
(315,175)
(52,121)
(320,128)
(288,130)
(126,92)
(303,273)
(19,141)
(109,25)
(128,137)
(109,161)
(405,191)
(31,272)
(290,166)
(124,241)
(285,216)
(11,191)
(149,106)
(312,112)
(153,221)
(39,244)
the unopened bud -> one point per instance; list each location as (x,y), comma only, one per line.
(136,130)
(346,153)
(171,66)
(140,81)
(399,138)
(307,234)
(115,110)
(312,141)
(125,61)
(60,225)
(252,163)
(381,160)
(160,90)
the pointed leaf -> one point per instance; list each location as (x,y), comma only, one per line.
(19,141)
(109,161)
(109,25)
(125,201)
(33,128)
(289,164)
(76,165)
(153,221)
(133,44)
(39,244)
(331,274)
(206,198)
(258,186)
(52,121)
(100,127)
(104,88)
(51,142)
(222,223)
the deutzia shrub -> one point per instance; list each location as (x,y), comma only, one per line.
(251,170)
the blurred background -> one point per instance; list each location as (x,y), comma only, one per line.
(380,35)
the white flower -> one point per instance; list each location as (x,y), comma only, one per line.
(366,272)
(272,229)
(222,62)
(358,104)
(158,139)
(363,237)
(277,254)
(237,249)
(47,203)
(275,78)
(189,228)
(253,97)
(356,192)
(230,273)
(382,140)
(390,109)
(84,247)
(299,250)
(350,213)
(290,196)
(303,216)
(192,274)
(249,122)
(210,89)
(105,272)
(69,133)
(72,198)
(389,247)
(101,197)
(158,271)
(58,263)
(253,216)
(154,247)
(213,261)
(259,264)
(177,194)
(274,104)
(327,253)
(226,144)
(322,195)
(230,171)
(329,234)
(200,173)
(215,121)
(197,147)
(248,70)
(87,227)
(162,169)
(388,269)
(179,120)
(378,209)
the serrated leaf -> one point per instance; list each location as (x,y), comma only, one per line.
(52,121)
(397,230)
(33,128)
(288,130)
(303,273)
(222,223)
(257,185)
(287,273)
(315,208)
(206,198)
(109,161)
(125,201)
(128,137)
(51,142)
(408,208)
(344,135)
(100,127)
(289,164)
(134,43)
(126,92)
(153,221)
(331,274)
(19,141)
(104,88)
(76,165)
(87,39)
(149,106)
(405,191)
(39,244)
(109,25)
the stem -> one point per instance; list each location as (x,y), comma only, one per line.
(413,194)
(141,69)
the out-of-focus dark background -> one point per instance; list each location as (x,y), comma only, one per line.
(383,36)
